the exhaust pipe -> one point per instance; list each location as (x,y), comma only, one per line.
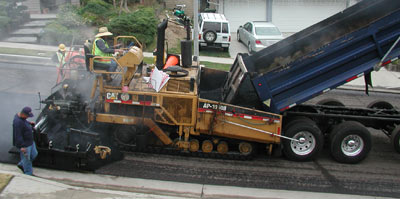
(160,44)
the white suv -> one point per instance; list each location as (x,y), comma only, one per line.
(214,31)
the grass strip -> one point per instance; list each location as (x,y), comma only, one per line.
(19,51)
(4,180)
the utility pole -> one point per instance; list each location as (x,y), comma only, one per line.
(196,30)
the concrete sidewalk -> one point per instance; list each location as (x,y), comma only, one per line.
(63,184)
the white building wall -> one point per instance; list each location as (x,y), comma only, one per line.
(238,12)
(288,15)
(295,15)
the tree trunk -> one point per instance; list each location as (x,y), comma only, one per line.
(115,4)
(120,6)
(126,6)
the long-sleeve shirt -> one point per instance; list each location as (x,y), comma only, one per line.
(102,46)
(22,132)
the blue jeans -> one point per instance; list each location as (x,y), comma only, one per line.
(113,66)
(27,158)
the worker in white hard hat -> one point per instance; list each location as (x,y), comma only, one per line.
(59,58)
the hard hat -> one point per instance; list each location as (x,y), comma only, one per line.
(61,47)
(103,31)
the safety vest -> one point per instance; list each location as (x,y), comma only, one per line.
(61,59)
(97,52)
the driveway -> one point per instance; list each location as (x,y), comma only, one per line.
(236,47)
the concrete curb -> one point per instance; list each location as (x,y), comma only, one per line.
(63,180)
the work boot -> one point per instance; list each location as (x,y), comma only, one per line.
(20,167)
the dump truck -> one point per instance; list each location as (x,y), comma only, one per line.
(257,105)
(339,49)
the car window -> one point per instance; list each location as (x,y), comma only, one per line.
(267,31)
(246,26)
(215,26)
(250,28)
(225,28)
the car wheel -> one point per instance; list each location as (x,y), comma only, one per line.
(210,36)
(238,37)
(226,49)
(249,48)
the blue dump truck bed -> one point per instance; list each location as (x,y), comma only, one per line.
(322,57)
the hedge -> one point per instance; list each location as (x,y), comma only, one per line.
(142,24)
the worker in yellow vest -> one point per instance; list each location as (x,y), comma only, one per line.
(59,58)
(101,49)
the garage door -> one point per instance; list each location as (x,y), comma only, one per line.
(238,12)
(295,15)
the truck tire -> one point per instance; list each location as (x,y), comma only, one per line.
(395,139)
(330,102)
(290,121)
(310,140)
(210,36)
(350,142)
(379,104)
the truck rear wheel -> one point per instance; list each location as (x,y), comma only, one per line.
(379,104)
(330,102)
(350,142)
(309,140)
(395,138)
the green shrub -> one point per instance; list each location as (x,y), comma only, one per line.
(97,12)
(4,21)
(142,24)
(55,33)
(68,16)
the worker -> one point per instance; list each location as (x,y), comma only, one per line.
(23,140)
(75,60)
(59,58)
(101,48)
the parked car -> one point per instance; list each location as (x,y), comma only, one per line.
(258,35)
(214,31)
